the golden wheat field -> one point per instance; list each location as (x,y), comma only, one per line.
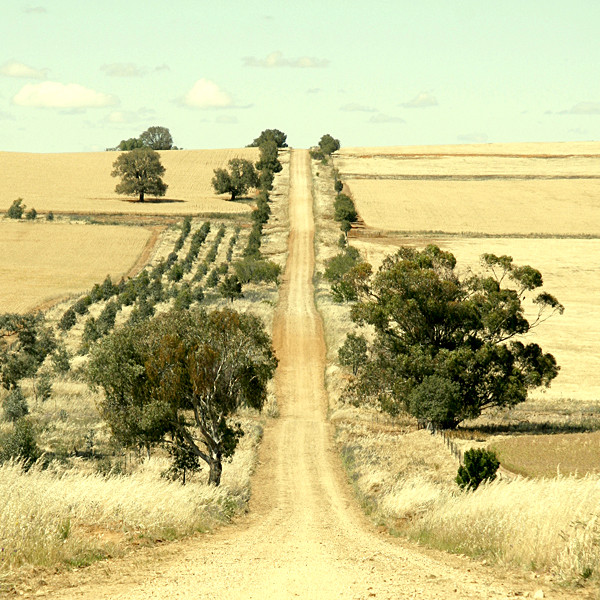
(82,183)
(42,261)
(495,189)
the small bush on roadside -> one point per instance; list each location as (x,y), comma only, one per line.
(479,465)
(31,215)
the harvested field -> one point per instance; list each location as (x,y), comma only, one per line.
(42,262)
(574,454)
(496,189)
(82,183)
(493,207)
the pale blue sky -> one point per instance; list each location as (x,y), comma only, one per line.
(80,75)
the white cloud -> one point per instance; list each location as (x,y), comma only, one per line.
(5,116)
(207,94)
(422,100)
(473,138)
(226,119)
(314,91)
(354,106)
(123,70)
(163,67)
(381,118)
(52,94)
(35,9)
(12,68)
(276,59)
(583,108)
(129,116)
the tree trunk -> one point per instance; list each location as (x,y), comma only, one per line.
(142,196)
(216,468)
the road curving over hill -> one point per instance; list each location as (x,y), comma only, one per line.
(304,536)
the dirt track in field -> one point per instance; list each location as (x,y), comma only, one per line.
(304,536)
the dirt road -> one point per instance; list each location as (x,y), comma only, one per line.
(304,536)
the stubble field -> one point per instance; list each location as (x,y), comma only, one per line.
(82,183)
(45,261)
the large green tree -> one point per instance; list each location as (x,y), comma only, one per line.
(177,379)
(236,181)
(141,173)
(446,346)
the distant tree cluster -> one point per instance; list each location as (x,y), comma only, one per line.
(155,138)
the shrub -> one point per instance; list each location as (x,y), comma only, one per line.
(176,272)
(106,320)
(31,215)
(60,361)
(16,209)
(340,264)
(213,279)
(479,465)
(338,185)
(184,299)
(344,209)
(231,288)
(198,293)
(20,444)
(353,352)
(50,216)
(15,405)
(42,387)
(90,335)
(82,305)
(256,271)
(68,319)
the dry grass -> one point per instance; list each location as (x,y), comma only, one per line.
(75,517)
(81,183)
(538,456)
(44,261)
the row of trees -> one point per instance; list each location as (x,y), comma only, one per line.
(242,175)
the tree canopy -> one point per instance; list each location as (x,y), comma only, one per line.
(140,171)
(447,347)
(270,135)
(328,144)
(238,180)
(177,379)
(155,138)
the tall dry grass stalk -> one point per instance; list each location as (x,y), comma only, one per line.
(549,524)
(48,517)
